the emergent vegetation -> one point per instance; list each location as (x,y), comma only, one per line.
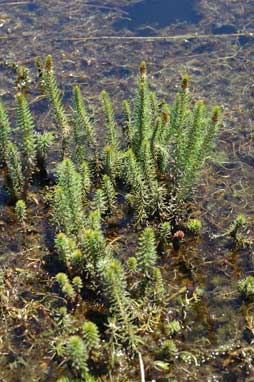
(156,165)
(144,173)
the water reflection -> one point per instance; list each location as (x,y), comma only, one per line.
(159,14)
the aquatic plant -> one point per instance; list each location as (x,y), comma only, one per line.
(176,146)
(91,336)
(77,354)
(132,264)
(67,205)
(62,279)
(246,286)
(23,79)
(5,133)
(172,327)
(20,210)
(139,177)
(55,101)
(194,225)
(66,287)
(146,253)
(109,192)
(169,349)
(69,291)
(84,135)
(155,290)
(112,138)
(26,126)
(77,284)
(86,180)
(15,178)
(99,201)
(164,152)
(68,252)
(165,235)
(236,233)
(93,245)
(44,142)
(115,289)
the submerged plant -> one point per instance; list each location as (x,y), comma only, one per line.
(169,349)
(236,231)
(172,327)
(194,226)
(236,226)
(246,286)
(20,210)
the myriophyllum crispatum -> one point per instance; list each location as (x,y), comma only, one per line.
(5,134)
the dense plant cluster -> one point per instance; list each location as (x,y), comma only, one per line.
(157,164)
(146,170)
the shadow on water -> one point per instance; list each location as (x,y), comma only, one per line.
(158,14)
(224,29)
(33,7)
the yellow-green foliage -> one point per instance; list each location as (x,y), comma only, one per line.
(14,168)
(55,100)
(5,133)
(26,126)
(68,205)
(159,157)
(146,253)
(20,210)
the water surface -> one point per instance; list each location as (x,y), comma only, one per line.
(153,14)
(221,72)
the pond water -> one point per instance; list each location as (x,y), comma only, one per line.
(94,44)
(145,16)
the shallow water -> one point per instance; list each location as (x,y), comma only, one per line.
(147,16)
(221,69)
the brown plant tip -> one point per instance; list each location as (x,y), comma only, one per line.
(165,117)
(215,116)
(142,69)
(19,98)
(185,83)
(179,235)
(108,149)
(49,63)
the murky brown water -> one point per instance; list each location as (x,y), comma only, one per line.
(94,44)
